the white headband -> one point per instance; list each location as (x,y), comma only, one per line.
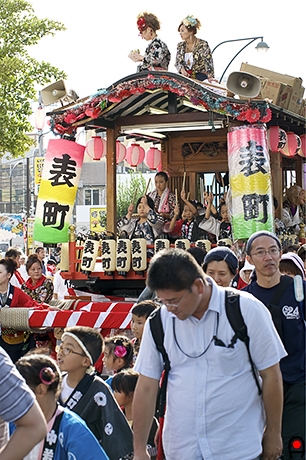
(74,337)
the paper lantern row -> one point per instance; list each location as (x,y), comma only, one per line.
(134,154)
(289,144)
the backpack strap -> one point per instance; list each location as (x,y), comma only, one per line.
(235,318)
(157,331)
(273,306)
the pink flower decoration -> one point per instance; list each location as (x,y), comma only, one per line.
(267,117)
(120,351)
(252,115)
(70,118)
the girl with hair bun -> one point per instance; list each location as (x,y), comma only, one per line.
(118,354)
(193,56)
(157,55)
(43,376)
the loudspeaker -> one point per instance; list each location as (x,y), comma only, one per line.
(244,84)
(54,92)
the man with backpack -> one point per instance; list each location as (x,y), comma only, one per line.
(214,409)
(285,298)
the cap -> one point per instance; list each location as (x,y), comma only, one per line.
(247,266)
(222,253)
(259,234)
(296,260)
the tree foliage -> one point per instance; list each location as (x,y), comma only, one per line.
(128,192)
(19,72)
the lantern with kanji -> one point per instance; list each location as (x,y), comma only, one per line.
(153,158)
(120,152)
(134,155)
(292,145)
(277,138)
(96,148)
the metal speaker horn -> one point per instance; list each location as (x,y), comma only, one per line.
(54,92)
(244,84)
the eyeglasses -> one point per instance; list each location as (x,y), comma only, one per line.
(66,351)
(175,305)
(262,253)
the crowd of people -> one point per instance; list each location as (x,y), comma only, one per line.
(193,55)
(247,390)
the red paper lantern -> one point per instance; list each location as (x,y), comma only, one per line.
(96,147)
(302,151)
(120,152)
(134,155)
(277,138)
(40,118)
(292,145)
(153,158)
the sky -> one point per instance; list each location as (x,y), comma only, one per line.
(94,49)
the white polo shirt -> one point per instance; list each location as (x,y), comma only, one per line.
(213,408)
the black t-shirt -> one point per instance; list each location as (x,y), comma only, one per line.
(293,315)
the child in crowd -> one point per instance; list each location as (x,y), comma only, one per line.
(68,435)
(140,313)
(186,227)
(118,354)
(124,384)
(87,394)
(291,264)
(148,224)
(222,229)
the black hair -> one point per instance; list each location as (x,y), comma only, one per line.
(32,259)
(13,253)
(90,337)
(198,253)
(149,201)
(122,341)
(173,269)
(9,264)
(37,369)
(144,308)
(162,174)
(125,381)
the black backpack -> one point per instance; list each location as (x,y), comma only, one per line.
(235,318)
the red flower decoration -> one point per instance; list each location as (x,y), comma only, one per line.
(141,24)
(70,118)
(80,116)
(241,116)
(267,117)
(252,115)
(60,129)
(93,112)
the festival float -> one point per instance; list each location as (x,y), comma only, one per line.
(234,132)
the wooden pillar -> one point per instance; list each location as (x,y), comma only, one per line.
(277,180)
(111,216)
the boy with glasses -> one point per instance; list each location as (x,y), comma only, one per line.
(286,301)
(87,395)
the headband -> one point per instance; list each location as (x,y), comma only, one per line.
(74,337)
(257,235)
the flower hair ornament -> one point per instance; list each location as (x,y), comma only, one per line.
(47,375)
(120,351)
(141,23)
(190,21)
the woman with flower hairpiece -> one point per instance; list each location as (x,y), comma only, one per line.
(157,55)
(68,435)
(193,56)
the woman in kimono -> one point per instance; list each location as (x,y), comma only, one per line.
(68,436)
(87,395)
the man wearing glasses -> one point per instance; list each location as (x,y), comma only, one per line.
(288,313)
(214,410)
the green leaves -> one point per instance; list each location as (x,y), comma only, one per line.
(129,191)
(20,73)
